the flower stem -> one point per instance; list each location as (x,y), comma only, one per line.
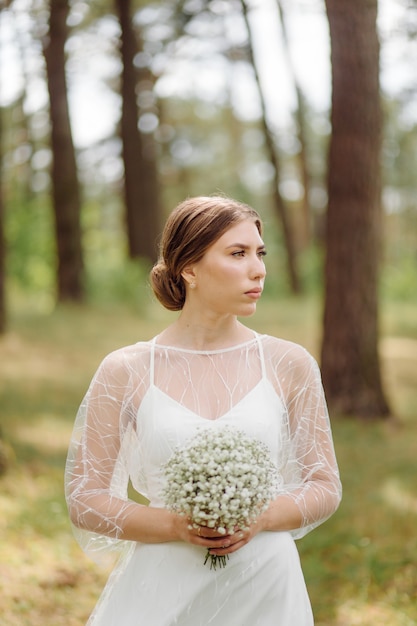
(216,560)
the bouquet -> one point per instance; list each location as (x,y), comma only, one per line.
(221,479)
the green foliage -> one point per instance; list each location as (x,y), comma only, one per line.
(30,243)
(399,278)
(311,270)
(124,282)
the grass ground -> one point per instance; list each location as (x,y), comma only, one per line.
(360,566)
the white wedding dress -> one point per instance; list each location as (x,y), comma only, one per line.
(147,399)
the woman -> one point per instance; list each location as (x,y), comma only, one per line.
(206,368)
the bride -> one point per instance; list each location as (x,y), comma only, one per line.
(205,370)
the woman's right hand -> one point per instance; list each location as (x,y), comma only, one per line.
(206,537)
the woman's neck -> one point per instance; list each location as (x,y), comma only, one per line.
(205,334)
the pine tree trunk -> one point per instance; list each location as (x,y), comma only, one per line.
(350,360)
(278,201)
(300,116)
(65,185)
(139,151)
(2,239)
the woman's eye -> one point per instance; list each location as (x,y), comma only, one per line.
(242,253)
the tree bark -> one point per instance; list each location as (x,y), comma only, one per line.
(2,240)
(278,200)
(141,187)
(350,360)
(301,121)
(65,185)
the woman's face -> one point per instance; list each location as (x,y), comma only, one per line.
(229,279)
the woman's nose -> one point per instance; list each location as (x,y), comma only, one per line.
(258,269)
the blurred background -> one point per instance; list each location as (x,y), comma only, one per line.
(113,112)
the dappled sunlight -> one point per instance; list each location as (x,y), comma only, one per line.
(23,492)
(44,576)
(60,573)
(362,613)
(399,360)
(9,508)
(396,496)
(399,348)
(48,434)
(22,360)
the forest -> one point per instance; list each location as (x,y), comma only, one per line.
(113,112)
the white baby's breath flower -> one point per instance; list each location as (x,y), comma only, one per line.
(222,479)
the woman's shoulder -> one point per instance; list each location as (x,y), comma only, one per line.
(127,358)
(134,350)
(281,350)
(280,344)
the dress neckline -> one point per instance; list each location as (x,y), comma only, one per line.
(244,398)
(238,346)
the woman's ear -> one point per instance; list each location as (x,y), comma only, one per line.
(189,275)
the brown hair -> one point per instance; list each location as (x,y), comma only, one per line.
(193,226)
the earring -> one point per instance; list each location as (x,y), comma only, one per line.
(192,285)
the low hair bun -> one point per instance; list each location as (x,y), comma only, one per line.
(169,291)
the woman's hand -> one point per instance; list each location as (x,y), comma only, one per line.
(281,514)
(217,543)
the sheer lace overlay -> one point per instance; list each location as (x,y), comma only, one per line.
(268,387)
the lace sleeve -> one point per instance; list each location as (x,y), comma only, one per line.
(96,476)
(311,473)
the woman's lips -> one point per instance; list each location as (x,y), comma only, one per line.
(254,293)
